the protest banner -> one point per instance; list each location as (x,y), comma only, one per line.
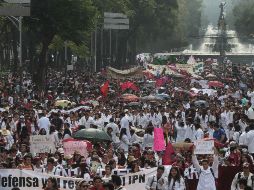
(30,180)
(71,145)
(204,147)
(159,143)
(42,144)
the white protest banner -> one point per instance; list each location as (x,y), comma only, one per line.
(138,180)
(42,144)
(30,180)
(72,145)
(204,147)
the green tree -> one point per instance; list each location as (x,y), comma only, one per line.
(244,16)
(66,18)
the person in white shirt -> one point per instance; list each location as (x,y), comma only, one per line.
(250,94)
(250,112)
(207,174)
(124,122)
(43,122)
(174,180)
(181,129)
(124,140)
(142,120)
(246,174)
(148,139)
(134,137)
(250,139)
(154,118)
(98,121)
(86,120)
(190,131)
(113,126)
(243,137)
(199,134)
(156,182)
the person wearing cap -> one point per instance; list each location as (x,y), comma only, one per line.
(245,174)
(207,174)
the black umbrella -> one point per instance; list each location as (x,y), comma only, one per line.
(94,135)
(201,103)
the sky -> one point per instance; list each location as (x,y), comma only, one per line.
(211,10)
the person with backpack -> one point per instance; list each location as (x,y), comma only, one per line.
(207,174)
(156,182)
(245,174)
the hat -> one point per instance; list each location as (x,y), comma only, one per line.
(131,159)
(61,150)
(246,165)
(68,157)
(5,132)
(39,111)
(126,110)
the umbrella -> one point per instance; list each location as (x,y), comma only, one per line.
(201,103)
(163,96)
(151,98)
(129,98)
(62,103)
(91,134)
(133,104)
(211,76)
(215,84)
(94,103)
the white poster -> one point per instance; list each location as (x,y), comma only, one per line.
(42,144)
(204,147)
(30,180)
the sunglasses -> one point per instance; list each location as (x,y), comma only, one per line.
(84,186)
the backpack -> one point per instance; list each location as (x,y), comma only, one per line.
(239,177)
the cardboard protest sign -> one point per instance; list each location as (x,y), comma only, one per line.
(204,147)
(73,145)
(42,144)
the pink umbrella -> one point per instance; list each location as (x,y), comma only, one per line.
(215,84)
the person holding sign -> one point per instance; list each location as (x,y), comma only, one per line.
(207,174)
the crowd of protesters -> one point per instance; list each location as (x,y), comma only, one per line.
(228,118)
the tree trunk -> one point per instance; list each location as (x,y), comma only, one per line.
(40,75)
(14,47)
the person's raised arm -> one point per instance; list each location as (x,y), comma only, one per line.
(215,160)
(195,160)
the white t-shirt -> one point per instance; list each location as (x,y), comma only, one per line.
(44,123)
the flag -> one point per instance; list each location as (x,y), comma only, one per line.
(166,159)
(104,89)
(129,85)
(159,82)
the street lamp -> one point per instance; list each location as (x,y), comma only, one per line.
(18,23)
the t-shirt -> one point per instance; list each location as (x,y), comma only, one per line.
(218,134)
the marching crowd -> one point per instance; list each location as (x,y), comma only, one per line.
(227,116)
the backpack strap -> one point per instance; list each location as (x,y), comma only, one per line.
(152,182)
(211,169)
(238,177)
